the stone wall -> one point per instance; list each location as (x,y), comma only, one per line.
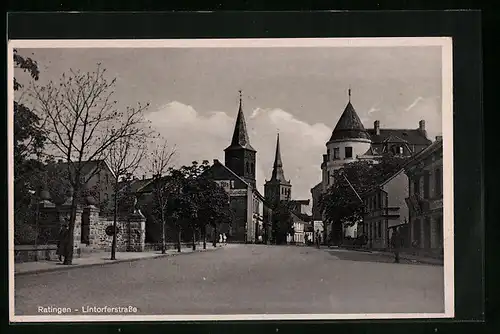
(130,238)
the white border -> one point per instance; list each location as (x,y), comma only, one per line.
(447,125)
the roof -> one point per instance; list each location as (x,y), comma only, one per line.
(135,184)
(412,136)
(240,134)
(436,145)
(317,187)
(88,166)
(231,172)
(349,126)
(255,191)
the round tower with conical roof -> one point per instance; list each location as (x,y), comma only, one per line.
(348,141)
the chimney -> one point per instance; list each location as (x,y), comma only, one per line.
(143,177)
(376,126)
(439,138)
(421,125)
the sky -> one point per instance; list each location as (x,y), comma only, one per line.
(298,92)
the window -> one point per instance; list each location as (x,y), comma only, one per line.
(401,150)
(416,186)
(426,186)
(438,182)
(348,152)
(379,232)
(248,167)
(336,153)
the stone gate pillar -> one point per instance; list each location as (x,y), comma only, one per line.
(91,212)
(136,234)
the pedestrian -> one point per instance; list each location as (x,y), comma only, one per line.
(224,238)
(62,242)
(396,244)
(318,239)
(220,239)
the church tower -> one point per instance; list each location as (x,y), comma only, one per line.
(277,188)
(240,156)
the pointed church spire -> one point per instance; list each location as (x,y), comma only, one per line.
(349,94)
(240,135)
(278,174)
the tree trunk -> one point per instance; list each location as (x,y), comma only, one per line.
(194,238)
(204,236)
(115,217)
(215,236)
(178,239)
(68,258)
(163,246)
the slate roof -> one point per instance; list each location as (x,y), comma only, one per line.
(240,134)
(412,136)
(349,126)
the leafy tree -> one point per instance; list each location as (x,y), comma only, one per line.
(82,123)
(282,222)
(29,140)
(197,201)
(341,203)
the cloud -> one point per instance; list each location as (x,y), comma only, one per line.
(414,103)
(204,135)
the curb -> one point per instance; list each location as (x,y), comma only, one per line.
(70,267)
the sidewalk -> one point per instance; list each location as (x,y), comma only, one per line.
(402,256)
(101,258)
(413,258)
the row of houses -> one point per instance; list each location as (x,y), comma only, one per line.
(410,197)
(252,211)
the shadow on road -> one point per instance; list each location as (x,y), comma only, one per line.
(370,257)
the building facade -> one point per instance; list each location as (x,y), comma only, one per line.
(385,209)
(425,200)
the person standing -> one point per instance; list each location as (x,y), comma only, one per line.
(396,244)
(220,239)
(224,238)
(62,242)
(318,239)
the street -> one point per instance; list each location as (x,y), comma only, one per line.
(242,279)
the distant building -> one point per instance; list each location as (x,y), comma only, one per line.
(425,200)
(100,180)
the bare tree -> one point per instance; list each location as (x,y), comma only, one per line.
(124,156)
(160,161)
(82,123)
